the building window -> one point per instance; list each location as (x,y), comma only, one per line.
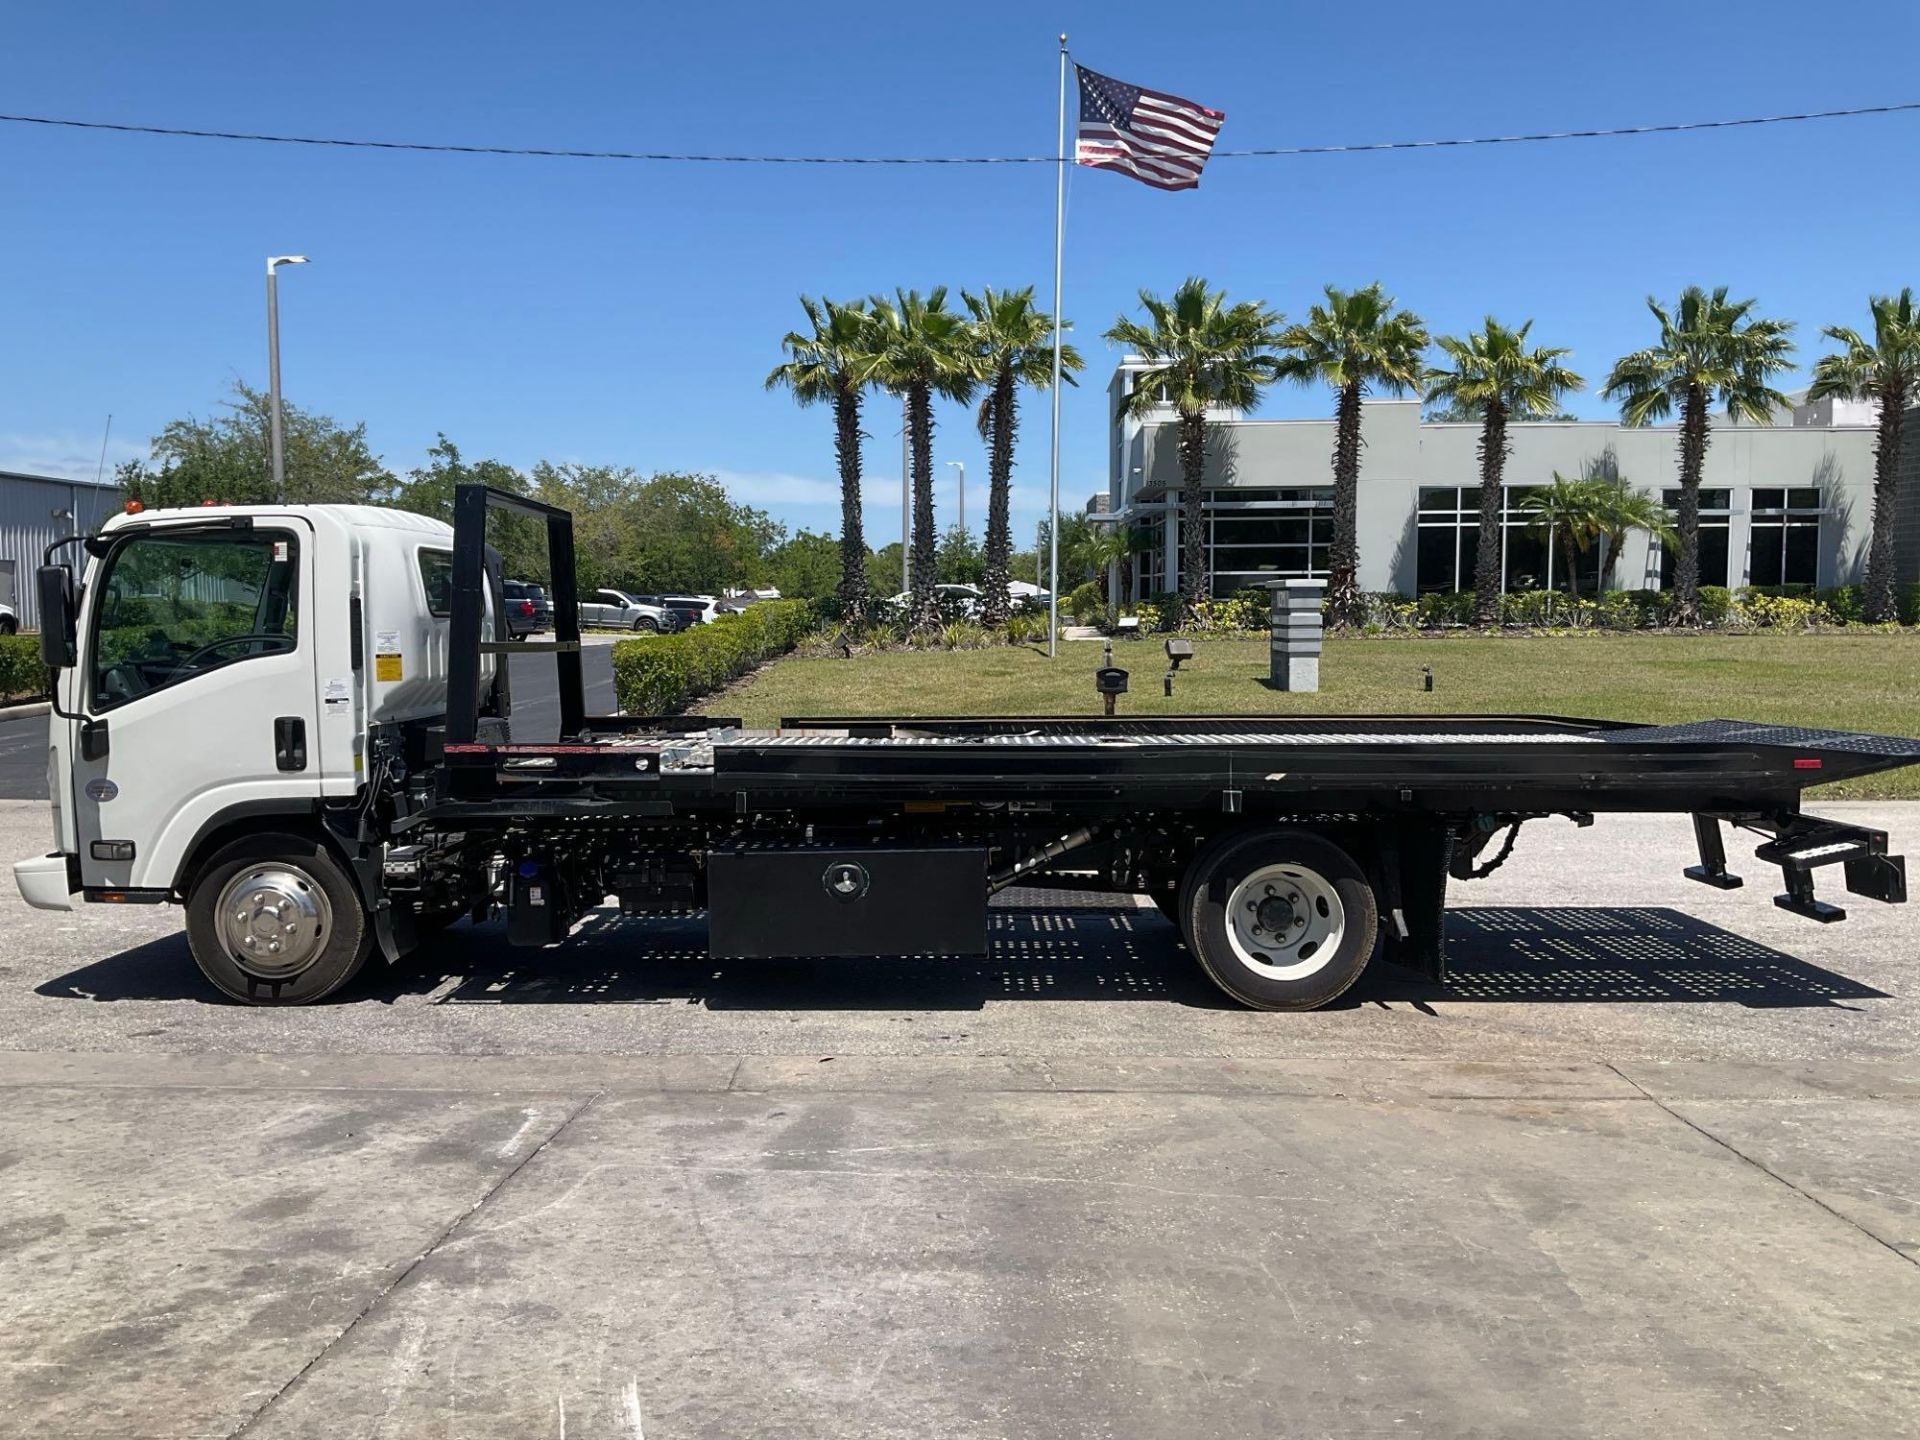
(1252,537)
(1150,555)
(1448,538)
(1256,536)
(1716,515)
(1784,544)
(1448,545)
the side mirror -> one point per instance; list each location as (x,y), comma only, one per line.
(53,587)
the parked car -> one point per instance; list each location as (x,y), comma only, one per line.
(528,610)
(618,610)
(685,610)
(704,607)
(959,601)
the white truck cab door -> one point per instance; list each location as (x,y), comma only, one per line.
(196,687)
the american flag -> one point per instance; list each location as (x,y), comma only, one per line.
(1156,138)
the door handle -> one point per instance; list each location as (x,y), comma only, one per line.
(290,743)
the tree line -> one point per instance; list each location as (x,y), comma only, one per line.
(665,531)
(1206,354)
(919,348)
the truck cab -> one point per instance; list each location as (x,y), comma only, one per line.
(223,668)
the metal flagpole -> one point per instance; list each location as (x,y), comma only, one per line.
(1059,222)
(906,507)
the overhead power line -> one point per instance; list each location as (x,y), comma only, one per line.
(544,153)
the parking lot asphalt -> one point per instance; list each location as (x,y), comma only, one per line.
(1642,1164)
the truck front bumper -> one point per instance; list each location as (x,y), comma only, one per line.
(46,881)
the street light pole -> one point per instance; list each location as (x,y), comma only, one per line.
(274,262)
(961,466)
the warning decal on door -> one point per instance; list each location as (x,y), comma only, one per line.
(386,667)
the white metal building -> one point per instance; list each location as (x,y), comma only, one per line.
(35,511)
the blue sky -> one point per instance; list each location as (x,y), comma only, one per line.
(581,310)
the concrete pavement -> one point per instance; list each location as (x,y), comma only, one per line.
(1644,1164)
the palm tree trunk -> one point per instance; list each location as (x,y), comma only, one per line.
(925,599)
(1002,420)
(1193,533)
(1343,559)
(1573,565)
(1694,438)
(1880,602)
(1488,579)
(853,540)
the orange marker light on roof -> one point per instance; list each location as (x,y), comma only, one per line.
(134,507)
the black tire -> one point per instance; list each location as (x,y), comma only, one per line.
(646,623)
(343,938)
(1315,889)
(9,625)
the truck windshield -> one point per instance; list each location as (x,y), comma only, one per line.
(176,605)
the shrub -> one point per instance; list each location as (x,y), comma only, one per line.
(1026,626)
(1716,604)
(1780,612)
(1084,602)
(658,676)
(21,673)
(1909,601)
(1443,607)
(1844,603)
(1152,615)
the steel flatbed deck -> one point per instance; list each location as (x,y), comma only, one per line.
(1368,763)
(1281,844)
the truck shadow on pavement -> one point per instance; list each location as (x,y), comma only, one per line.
(1047,951)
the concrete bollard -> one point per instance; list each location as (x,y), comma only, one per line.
(1296,629)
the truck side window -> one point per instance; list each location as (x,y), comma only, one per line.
(436,576)
(176,605)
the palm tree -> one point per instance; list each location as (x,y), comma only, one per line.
(824,364)
(1201,352)
(1107,547)
(1568,511)
(921,349)
(1887,371)
(1358,343)
(1710,348)
(1619,509)
(1015,342)
(1496,378)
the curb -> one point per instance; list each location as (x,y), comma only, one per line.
(24,712)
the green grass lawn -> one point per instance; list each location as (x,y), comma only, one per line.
(1864,682)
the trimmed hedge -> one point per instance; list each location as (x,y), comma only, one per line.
(21,673)
(662,674)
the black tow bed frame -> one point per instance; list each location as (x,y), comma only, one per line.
(1410,777)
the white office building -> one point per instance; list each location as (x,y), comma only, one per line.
(1788,504)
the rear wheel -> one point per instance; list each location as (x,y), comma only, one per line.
(1279,919)
(8,625)
(276,920)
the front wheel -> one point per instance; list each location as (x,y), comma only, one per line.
(8,625)
(645,623)
(1279,919)
(275,919)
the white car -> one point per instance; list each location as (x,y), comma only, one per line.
(964,599)
(618,610)
(706,607)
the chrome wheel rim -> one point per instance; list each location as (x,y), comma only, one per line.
(274,919)
(1285,922)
